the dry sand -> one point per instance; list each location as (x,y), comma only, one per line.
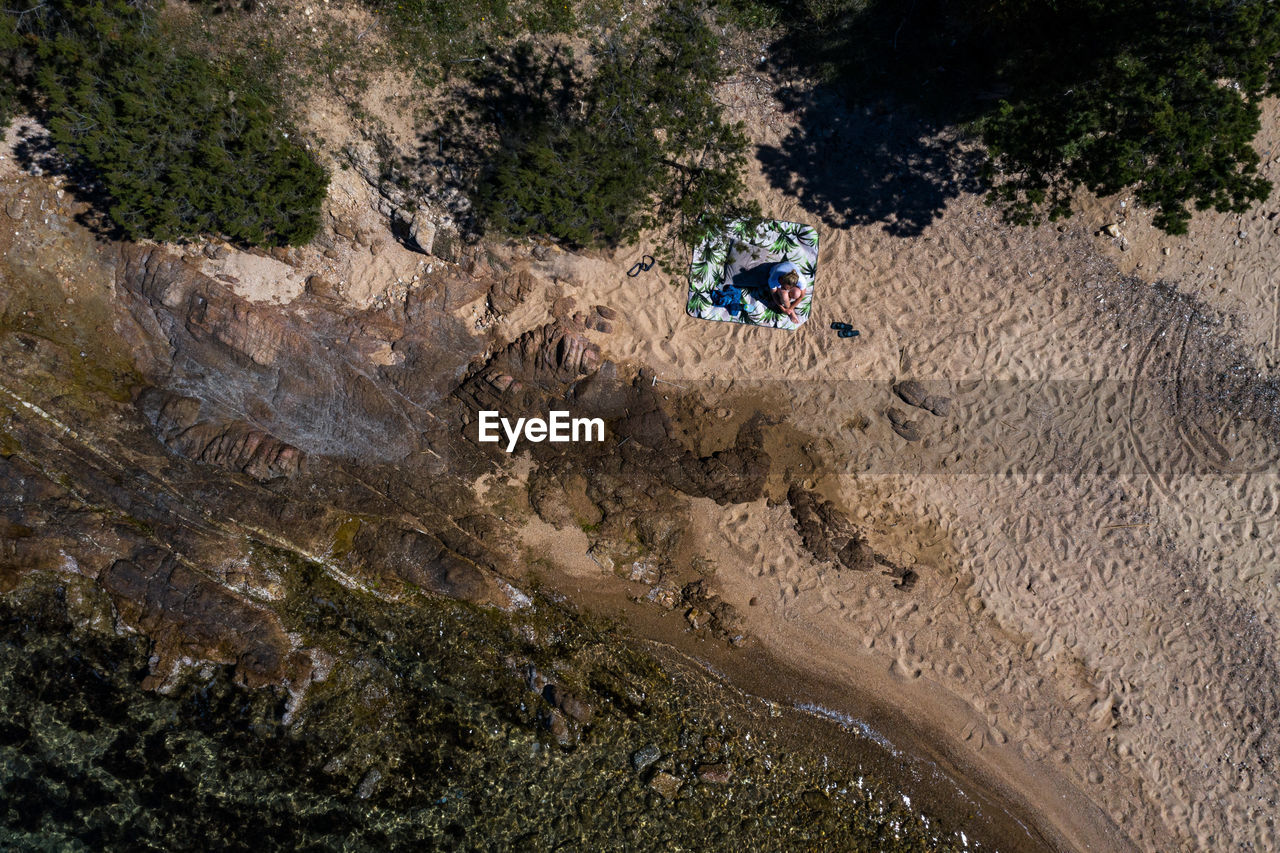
(1096,618)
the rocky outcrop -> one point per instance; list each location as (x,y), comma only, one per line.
(387,551)
(185,615)
(232,445)
(348,387)
(827,533)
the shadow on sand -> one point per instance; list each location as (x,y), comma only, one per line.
(861,165)
(880,143)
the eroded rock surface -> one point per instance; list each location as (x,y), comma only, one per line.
(829,535)
(233,445)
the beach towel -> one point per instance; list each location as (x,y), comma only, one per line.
(734,270)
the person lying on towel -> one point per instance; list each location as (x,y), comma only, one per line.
(784,293)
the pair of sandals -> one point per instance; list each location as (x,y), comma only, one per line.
(643,265)
(844,330)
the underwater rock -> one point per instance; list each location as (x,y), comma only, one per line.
(642,759)
(718,773)
(666,785)
(560,728)
(568,703)
(369,784)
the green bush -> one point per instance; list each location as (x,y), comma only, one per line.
(641,143)
(176,148)
(1157,97)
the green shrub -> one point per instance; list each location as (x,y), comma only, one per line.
(176,149)
(1157,97)
(642,143)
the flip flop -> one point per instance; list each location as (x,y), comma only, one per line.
(847,333)
(643,265)
(841,326)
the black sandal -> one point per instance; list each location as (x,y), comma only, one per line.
(643,265)
(847,333)
(841,327)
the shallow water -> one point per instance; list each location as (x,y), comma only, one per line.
(424,735)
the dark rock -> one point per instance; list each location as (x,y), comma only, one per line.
(643,758)
(915,394)
(911,392)
(938,405)
(827,533)
(908,429)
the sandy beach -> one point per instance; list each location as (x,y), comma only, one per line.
(1086,606)
(1094,623)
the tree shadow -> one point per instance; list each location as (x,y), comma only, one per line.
(494,108)
(861,165)
(36,154)
(881,141)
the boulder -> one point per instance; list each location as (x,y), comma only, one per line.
(422,232)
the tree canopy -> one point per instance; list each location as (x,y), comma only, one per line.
(1157,97)
(175,147)
(639,142)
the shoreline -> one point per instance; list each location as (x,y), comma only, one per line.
(1002,803)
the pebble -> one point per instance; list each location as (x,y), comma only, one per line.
(642,759)
(716,774)
(665,784)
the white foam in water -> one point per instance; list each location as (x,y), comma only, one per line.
(847,722)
